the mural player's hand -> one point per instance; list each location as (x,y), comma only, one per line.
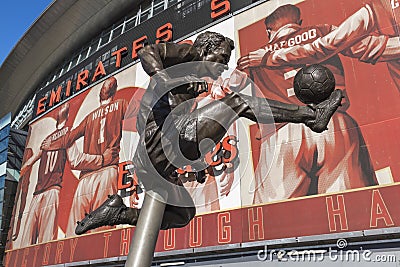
(187,177)
(253,59)
(45,144)
(236,82)
(217,92)
(110,155)
(134,198)
(24,170)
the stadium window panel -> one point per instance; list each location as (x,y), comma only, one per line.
(113,59)
(3,155)
(158,7)
(89,66)
(145,15)
(3,147)
(2,181)
(89,51)
(5,121)
(172,2)
(105,59)
(84,54)
(79,59)
(3,167)
(4,133)
(105,39)
(74,61)
(69,66)
(130,23)
(93,46)
(116,32)
(61,72)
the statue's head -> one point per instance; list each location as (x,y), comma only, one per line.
(108,89)
(216,48)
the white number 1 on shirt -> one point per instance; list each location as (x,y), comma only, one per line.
(102,125)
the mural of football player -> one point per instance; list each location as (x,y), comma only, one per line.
(295,161)
(20,197)
(101,130)
(41,223)
(355,37)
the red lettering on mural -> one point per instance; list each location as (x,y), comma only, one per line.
(46,254)
(82,79)
(212,158)
(73,242)
(106,241)
(55,97)
(333,212)
(68,89)
(125,178)
(256,222)
(41,105)
(164,33)
(137,45)
(196,232)
(229,146)
(224,152)
(224,230)
(60,248)
(35,255)
(219,8)
(125,241)
(118,54)
(169,239)
(379,211)
(99,72)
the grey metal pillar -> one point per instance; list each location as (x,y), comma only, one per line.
(144,240)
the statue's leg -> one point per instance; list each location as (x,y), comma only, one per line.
(214,119)
(114,212)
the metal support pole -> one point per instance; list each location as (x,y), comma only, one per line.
(144,240)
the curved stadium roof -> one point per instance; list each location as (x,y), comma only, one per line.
(60,30)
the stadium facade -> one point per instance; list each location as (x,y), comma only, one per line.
(272,194)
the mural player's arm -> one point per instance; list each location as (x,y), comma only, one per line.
(25,181)
(22,193)
(77,159)
(352,38)
(87,162)
(29,163)
(348,33)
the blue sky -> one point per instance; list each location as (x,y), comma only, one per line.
(17,16)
